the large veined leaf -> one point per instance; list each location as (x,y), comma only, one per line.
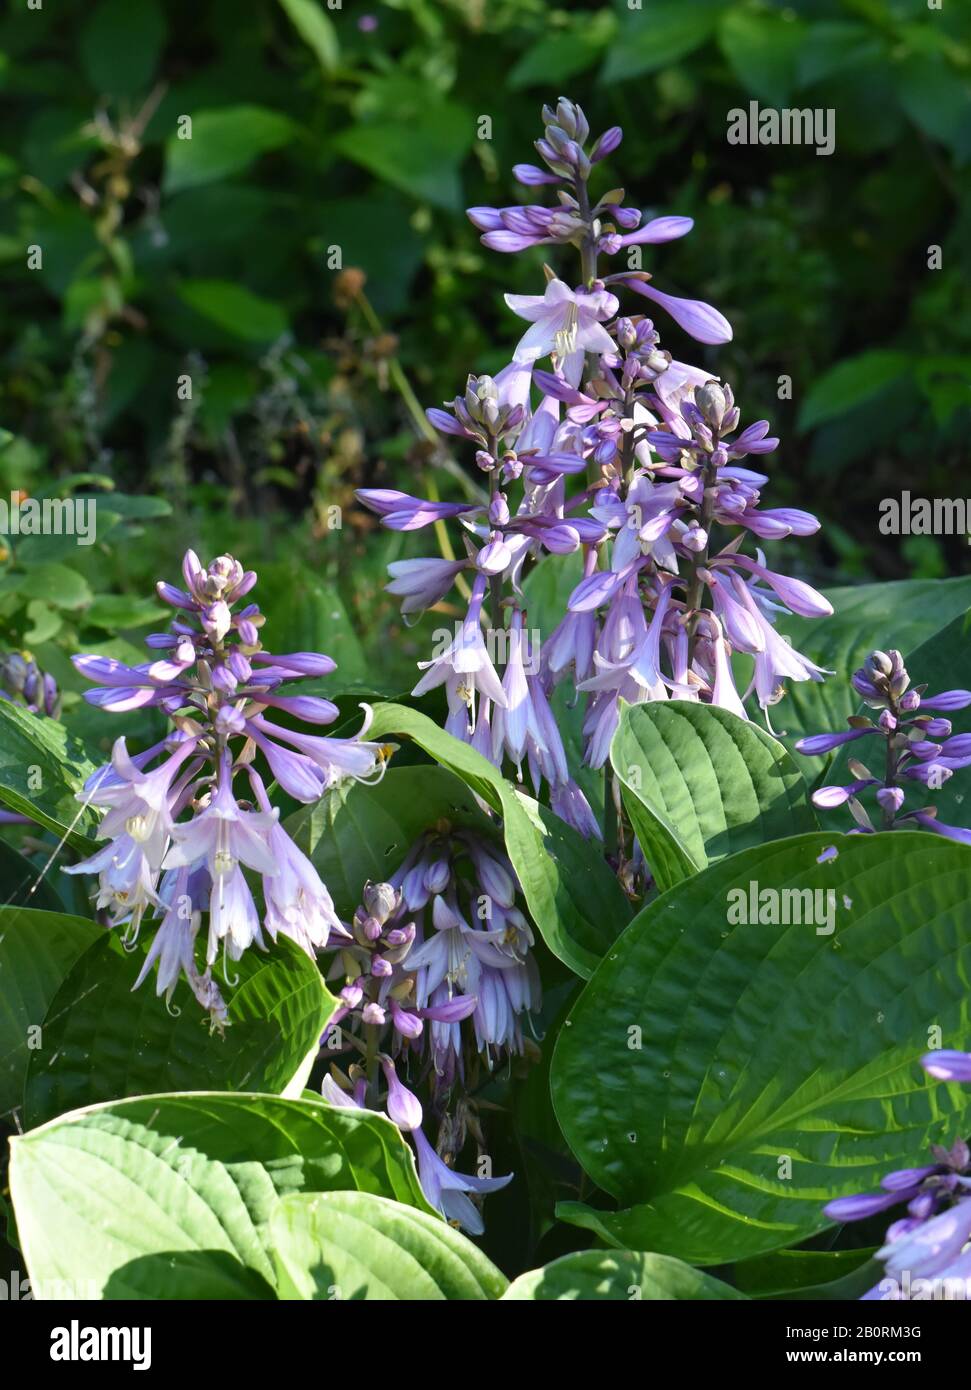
(353,1245)
(23,884)
(170,1196)
(37,950)
(618,1276)
(723,1079)
(809,1274)
(902,614)
(41,769)
(103,1040)
(572,896)
(699,783)
(357,832)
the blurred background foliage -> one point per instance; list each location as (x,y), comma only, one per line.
(331,139)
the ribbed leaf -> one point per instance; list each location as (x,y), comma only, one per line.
(572,895)
(103,1040)
(169,1196)
(37,951)
(699,783)
(724,1081)
(351,1245)
(619,1276)
(41,769)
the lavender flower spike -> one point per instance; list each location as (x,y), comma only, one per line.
(910,754)
(181,842)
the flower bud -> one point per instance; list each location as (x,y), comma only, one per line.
(626,333)
(712,402)
(381,900)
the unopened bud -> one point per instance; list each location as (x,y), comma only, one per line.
(712,402)
(381,900)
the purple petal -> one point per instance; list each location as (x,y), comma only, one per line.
(945,1065)
(659,229)
(702,321)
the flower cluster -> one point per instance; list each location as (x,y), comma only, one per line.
(657,451)
(179,835)
(22,682)
(927,1246)
(907,726)
(442,944)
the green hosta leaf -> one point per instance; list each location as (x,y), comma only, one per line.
(572,896)
(37,950)
(620,1276)
(903,614)
(235,309)
(357,832)
(23,884)
(169,1196)
(775,1066)
(809,1274)
(223,142)
(352,1245)
(699,783)
(102,1039)
(41,768)
(852,382)
(317,30)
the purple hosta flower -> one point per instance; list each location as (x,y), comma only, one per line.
(566,324)
(467,942)
(627,663)
(909,753)
(449,1191)
(23,683)
(411,984)
(929,1242)
(181,842)
(947,1065)
(466,659)
(138,825)
(400,512)
(624,454)
(423,583)
(403,1105)
(662,516)
(317,764)
(513,229)
(515,723)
